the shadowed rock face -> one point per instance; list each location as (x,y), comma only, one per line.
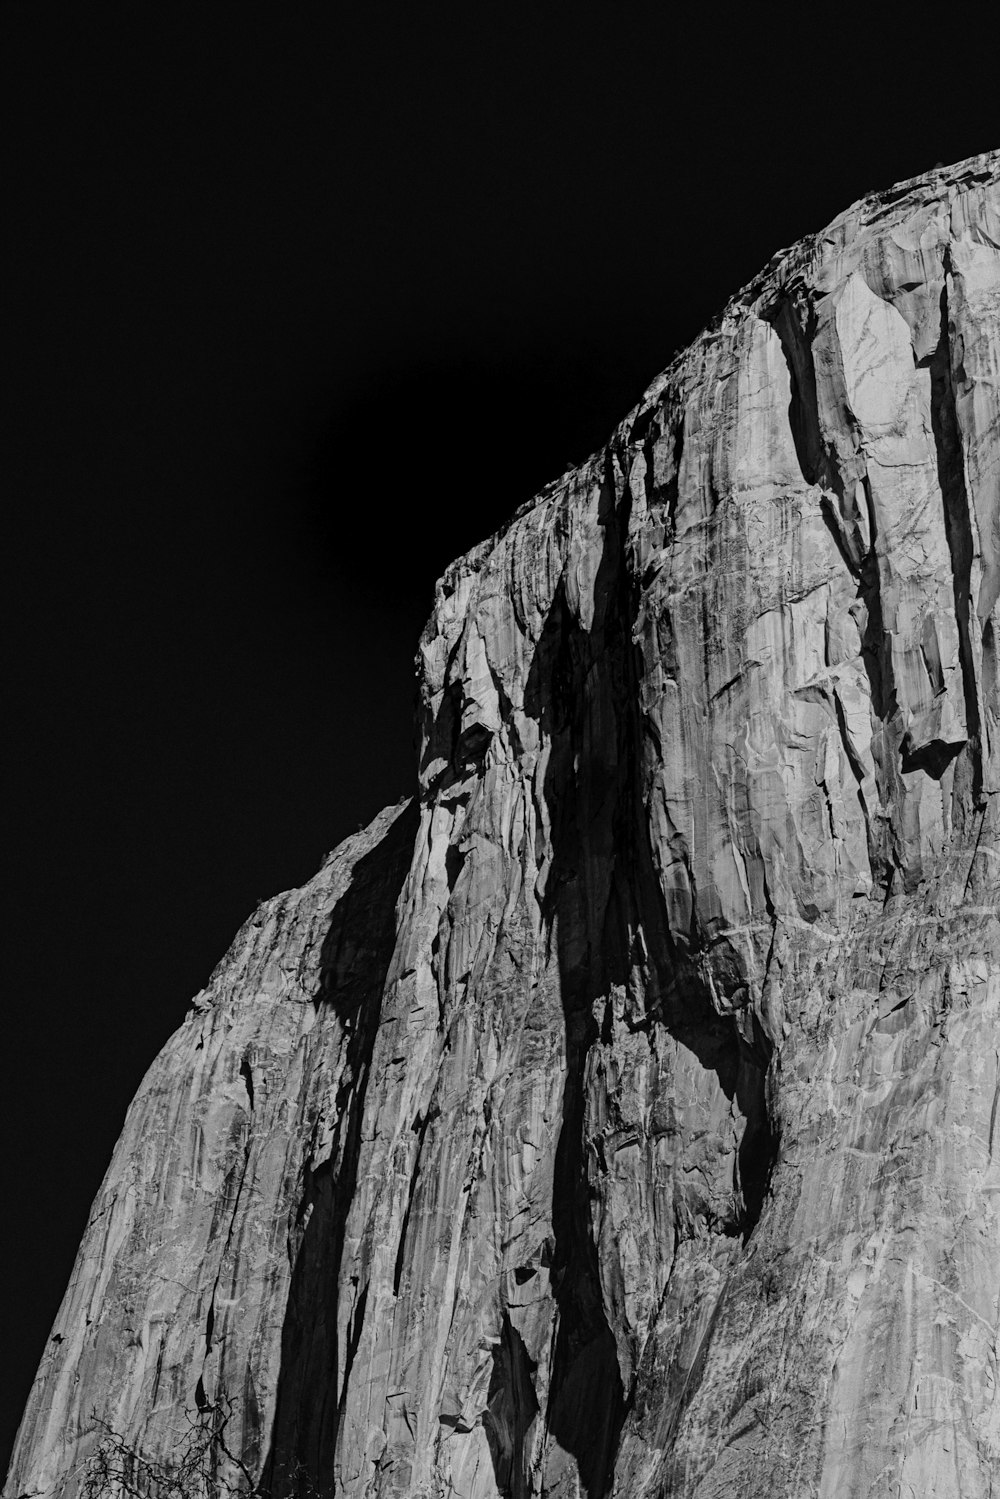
(622,1119)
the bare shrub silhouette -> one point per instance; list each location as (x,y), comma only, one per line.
(204,1466)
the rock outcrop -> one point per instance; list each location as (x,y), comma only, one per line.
(622,1118)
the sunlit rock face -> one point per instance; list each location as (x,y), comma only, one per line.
(621,1118)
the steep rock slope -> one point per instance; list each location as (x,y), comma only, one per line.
(622,1119)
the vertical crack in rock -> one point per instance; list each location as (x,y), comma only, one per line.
(606,910)
(247,1075)
(356,953)
(854,528)
(935,756)
(677,995)
(511,1409)
(886,851)
(758,1147)
(420,1129)
(793,318)
(570,686)
(242,1167)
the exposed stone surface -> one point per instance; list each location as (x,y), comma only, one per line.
(623,1118)
(183,1278)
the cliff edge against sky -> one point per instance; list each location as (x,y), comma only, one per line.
(621,1118)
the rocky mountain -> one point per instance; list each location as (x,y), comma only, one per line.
(622,1118)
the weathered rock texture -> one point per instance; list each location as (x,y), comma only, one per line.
(622,1119)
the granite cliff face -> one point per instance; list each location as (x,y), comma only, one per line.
(621,1119)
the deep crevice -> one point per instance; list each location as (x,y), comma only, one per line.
(511,1409)
(758,1148)
(958,531)
(605,905)
(794,320)
(571,666)
(397,1274)
(247,1077)
(354,963)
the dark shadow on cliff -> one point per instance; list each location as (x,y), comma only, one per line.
(958,532)
(585,1405)
(793,318)
(356,953)
(603,905)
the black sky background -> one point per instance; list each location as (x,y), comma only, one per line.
(300,303)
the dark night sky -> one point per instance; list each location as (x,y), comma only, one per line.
(299,304)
